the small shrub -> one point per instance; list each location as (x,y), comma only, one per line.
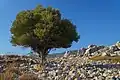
(7,76)
(10,73)
(38,67)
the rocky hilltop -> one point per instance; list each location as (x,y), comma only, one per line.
(73,65)
(113,50)
(94,50)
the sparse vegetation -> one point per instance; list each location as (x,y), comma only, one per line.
(28,77)
(10,73)
(112,59)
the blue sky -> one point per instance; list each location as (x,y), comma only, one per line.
(97,21)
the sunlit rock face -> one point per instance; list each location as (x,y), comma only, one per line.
(112,50)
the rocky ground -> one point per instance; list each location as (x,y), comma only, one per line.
(68,67)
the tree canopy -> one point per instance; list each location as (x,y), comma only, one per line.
(43,29)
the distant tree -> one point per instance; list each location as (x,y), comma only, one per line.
(42,29)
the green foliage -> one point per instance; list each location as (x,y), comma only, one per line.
(43,29)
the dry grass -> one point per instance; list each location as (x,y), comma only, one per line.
(114,59)
(9,73)
(28,77)
(10,76)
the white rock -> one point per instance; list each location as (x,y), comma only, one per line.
(57,71)
(103,54)
(53,73)
(114,54)
(104,74)
(117,53)
(39,76)
(21,65)
(109,71)
(70,73)
(43,74)
(56,77)
(96,78)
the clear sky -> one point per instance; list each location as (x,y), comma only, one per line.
(97,21)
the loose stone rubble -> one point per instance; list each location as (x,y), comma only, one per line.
(71,67)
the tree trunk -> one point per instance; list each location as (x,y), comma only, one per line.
(42,55)
(42,59)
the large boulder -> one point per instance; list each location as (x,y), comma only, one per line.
(103,54)
(118,44)
(117,53)
(91,49)
(91,46)
(101,47)
(81,51)
(114,48)
(67,53)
